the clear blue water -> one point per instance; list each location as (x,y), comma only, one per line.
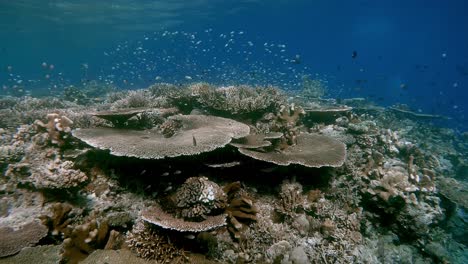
(413,52)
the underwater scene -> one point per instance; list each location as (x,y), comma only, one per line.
(234,131)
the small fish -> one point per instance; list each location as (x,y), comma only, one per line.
(190,236)
(296,59)
(354,54)
(194,141)
(224,165)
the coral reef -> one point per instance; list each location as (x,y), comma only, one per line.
(366,184)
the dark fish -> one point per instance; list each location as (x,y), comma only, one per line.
(354,54)
(194,141)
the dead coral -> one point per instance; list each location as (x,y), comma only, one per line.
(45,170)
(12,241)
(58,127)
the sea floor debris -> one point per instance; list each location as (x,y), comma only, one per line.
(249,178)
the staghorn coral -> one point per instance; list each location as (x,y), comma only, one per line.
(12,241)
(236,100)
(292,200)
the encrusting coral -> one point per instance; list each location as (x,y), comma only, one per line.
(12,241)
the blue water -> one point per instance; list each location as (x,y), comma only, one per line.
(412,52)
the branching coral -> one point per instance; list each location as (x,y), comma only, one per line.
(241,209)
(148,243)
(58,127)
(292,200)
(60,219)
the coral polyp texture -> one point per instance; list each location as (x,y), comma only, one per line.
(12,241)
(157,216)
(310,150)
(198,198)
(197,205)
(196,173)
(197,134)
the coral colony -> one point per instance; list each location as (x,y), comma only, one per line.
(237,174)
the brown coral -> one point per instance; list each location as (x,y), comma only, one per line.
(83,239)
(241,209)
(12,241)
(59,221)
(157,216)
(148,243)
